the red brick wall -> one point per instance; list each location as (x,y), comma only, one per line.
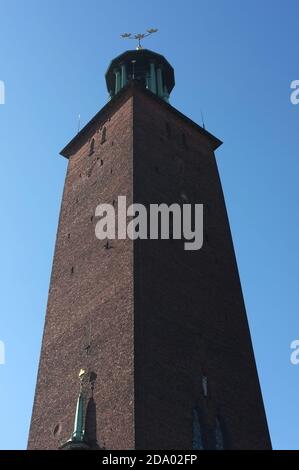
(161,317)
(99,290)
(190,319)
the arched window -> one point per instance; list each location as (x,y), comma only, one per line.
(219,438)
(91,148)
(197,438)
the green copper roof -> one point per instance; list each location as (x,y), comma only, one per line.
(78,433)
(152,70)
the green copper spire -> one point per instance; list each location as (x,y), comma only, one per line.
(77,440)
(151,70)
(78,434)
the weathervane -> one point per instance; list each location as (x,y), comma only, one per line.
(139,36)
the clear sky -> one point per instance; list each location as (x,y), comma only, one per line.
(234,60)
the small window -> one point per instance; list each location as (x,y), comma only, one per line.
(197,437)
(91,147)
(104,138)
(205,386)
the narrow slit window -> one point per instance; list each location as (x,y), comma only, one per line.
(104,136)
(205,386)
(91,147)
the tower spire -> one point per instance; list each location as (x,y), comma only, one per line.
(78,433)
(77,441)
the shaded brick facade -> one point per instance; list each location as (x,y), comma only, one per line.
(152,320)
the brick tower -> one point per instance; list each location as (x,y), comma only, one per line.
(160,332)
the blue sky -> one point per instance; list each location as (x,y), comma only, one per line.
(234,60)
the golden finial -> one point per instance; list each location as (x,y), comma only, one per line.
(81,378)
